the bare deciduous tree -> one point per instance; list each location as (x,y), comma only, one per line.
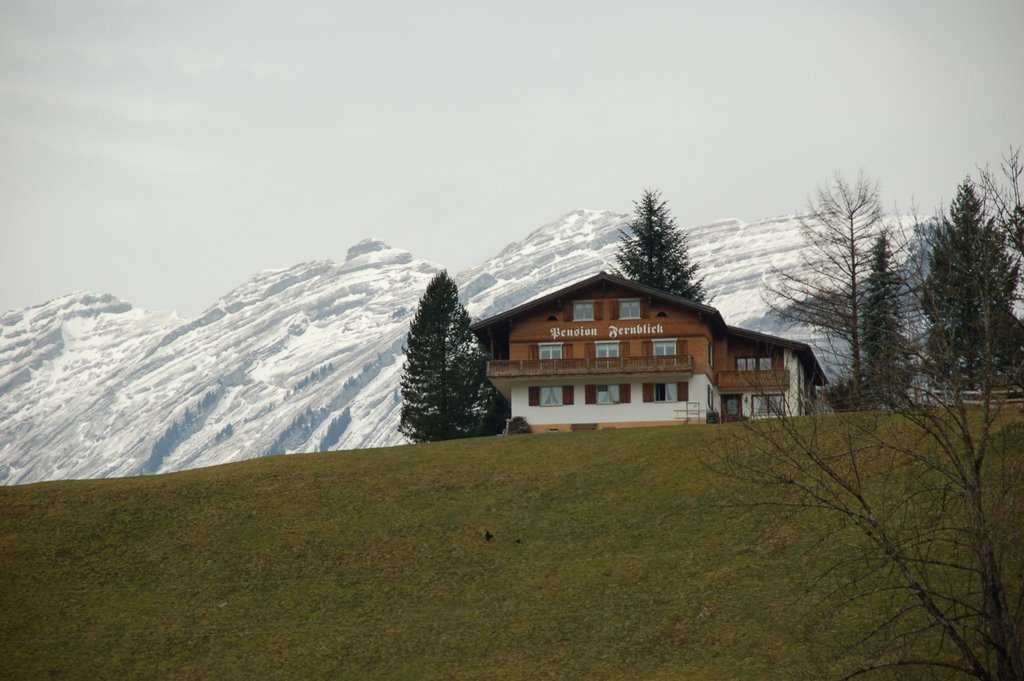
(924,509)
(827,293)
(1006,197)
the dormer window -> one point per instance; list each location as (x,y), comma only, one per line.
(629,309)
(583,311)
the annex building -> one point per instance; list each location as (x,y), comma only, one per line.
(607,352)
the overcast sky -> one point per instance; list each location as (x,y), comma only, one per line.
(167,151)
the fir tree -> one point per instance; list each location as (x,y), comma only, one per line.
(884,345)
(655,252)
(442,384)
(968,297)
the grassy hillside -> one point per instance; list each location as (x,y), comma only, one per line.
(614,556)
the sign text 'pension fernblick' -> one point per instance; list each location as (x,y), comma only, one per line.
(613,331)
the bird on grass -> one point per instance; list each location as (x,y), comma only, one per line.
(487,535)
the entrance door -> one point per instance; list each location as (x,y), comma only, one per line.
(732,407)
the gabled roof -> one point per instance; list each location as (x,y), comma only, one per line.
(641,289)
(804,352)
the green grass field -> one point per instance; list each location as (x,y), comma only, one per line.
(616,555)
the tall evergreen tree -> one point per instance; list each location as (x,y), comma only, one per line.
(969,294)
(655,252)
(442,384)
(883,343)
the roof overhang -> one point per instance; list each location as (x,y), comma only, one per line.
(502,320)
(803,351)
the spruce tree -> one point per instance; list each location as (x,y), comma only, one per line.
(968,298)
(655,252)
(443,379)
(883,342)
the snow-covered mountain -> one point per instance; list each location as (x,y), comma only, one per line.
(295,360)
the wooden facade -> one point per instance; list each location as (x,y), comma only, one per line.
(609,352)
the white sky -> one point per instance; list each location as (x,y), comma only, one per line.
(166,151)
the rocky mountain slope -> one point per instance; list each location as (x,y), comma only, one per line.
(295,360)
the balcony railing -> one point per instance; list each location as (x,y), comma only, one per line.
(753,380)
(511,368)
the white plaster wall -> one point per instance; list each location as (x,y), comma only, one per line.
(699,393)
(637,409)
(716,397)
(794,397)
(578,412)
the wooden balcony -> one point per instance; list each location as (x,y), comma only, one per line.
(753,380)
(513,368)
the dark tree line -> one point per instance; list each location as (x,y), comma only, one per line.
(968,295)
(891,306)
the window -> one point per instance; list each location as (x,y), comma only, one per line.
(551,396)
(607,394)
(629,309)
(665,347)
(551,351)
(607,349)
(711,354)
(583,311)
(763,405)
(665,392)
(753,364)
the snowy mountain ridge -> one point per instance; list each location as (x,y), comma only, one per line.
(301,359)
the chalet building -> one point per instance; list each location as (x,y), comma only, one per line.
(607,352)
